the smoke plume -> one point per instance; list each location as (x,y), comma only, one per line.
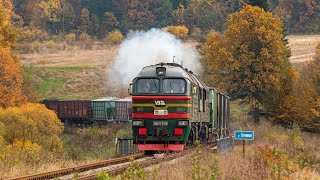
(147,48)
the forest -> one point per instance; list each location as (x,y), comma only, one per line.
(97,18)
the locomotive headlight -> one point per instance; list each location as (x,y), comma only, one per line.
(137,123)
(183,123)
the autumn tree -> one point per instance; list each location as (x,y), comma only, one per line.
(109,23)
(84,27)
(307,94)
(11,80)
(49,13)
(179,31)
(139,15)
(178,15)
(250,61)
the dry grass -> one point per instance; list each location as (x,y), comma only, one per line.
(299,155)
(303,47)
(84,72)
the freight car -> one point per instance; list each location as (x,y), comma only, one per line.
(92,111)
(172,107)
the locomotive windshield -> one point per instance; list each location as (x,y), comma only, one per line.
(148,86)
(174,86)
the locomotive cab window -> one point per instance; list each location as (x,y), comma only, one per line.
(174,86)
(148,86)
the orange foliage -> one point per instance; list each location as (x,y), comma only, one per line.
(10,82)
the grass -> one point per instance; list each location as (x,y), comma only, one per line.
(276,153)
(80,146)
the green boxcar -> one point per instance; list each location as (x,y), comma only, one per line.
(104,109)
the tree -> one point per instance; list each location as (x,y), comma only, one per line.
(260,3)
(307,94)
(179,15)
(11,80)
(163,12)
(84,27)
(250,61)
(50,12)
(109,23)
(7,34)
(139,16)
(94,25)
(206,15)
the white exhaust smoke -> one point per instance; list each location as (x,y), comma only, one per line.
(142,48)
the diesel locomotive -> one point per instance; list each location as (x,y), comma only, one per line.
(171,108)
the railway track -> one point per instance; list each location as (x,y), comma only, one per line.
(112,167)
(144,162)
(77,169)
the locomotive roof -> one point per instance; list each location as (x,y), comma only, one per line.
(172,70)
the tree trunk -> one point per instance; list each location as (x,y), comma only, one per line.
(256,116)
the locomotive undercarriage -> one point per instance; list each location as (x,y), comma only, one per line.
(205,133)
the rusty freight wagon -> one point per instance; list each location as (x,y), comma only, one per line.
(73,111)
(123,110)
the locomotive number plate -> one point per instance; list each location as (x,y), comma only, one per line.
(160,123)
(160,112)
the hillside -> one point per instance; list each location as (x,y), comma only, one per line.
(82,74)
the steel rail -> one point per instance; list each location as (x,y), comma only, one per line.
(77,169)
(142,164)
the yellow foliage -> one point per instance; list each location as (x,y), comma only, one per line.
(70,37)
(32,123)
(114,37)
(179,31)
(7,34)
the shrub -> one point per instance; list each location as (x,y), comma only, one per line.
(86,41)
(52,45)
(32,123)
(179,31)
(70,38)
(84,37)
(114,37)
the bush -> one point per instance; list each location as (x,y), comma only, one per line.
(86,41)
(179,31)
(114,37)
(70,38)
(32,123)
(51,45)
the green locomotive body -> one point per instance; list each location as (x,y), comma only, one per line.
(172,107)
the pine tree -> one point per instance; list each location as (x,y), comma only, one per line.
(109,23)
(84,27)
(260,3)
